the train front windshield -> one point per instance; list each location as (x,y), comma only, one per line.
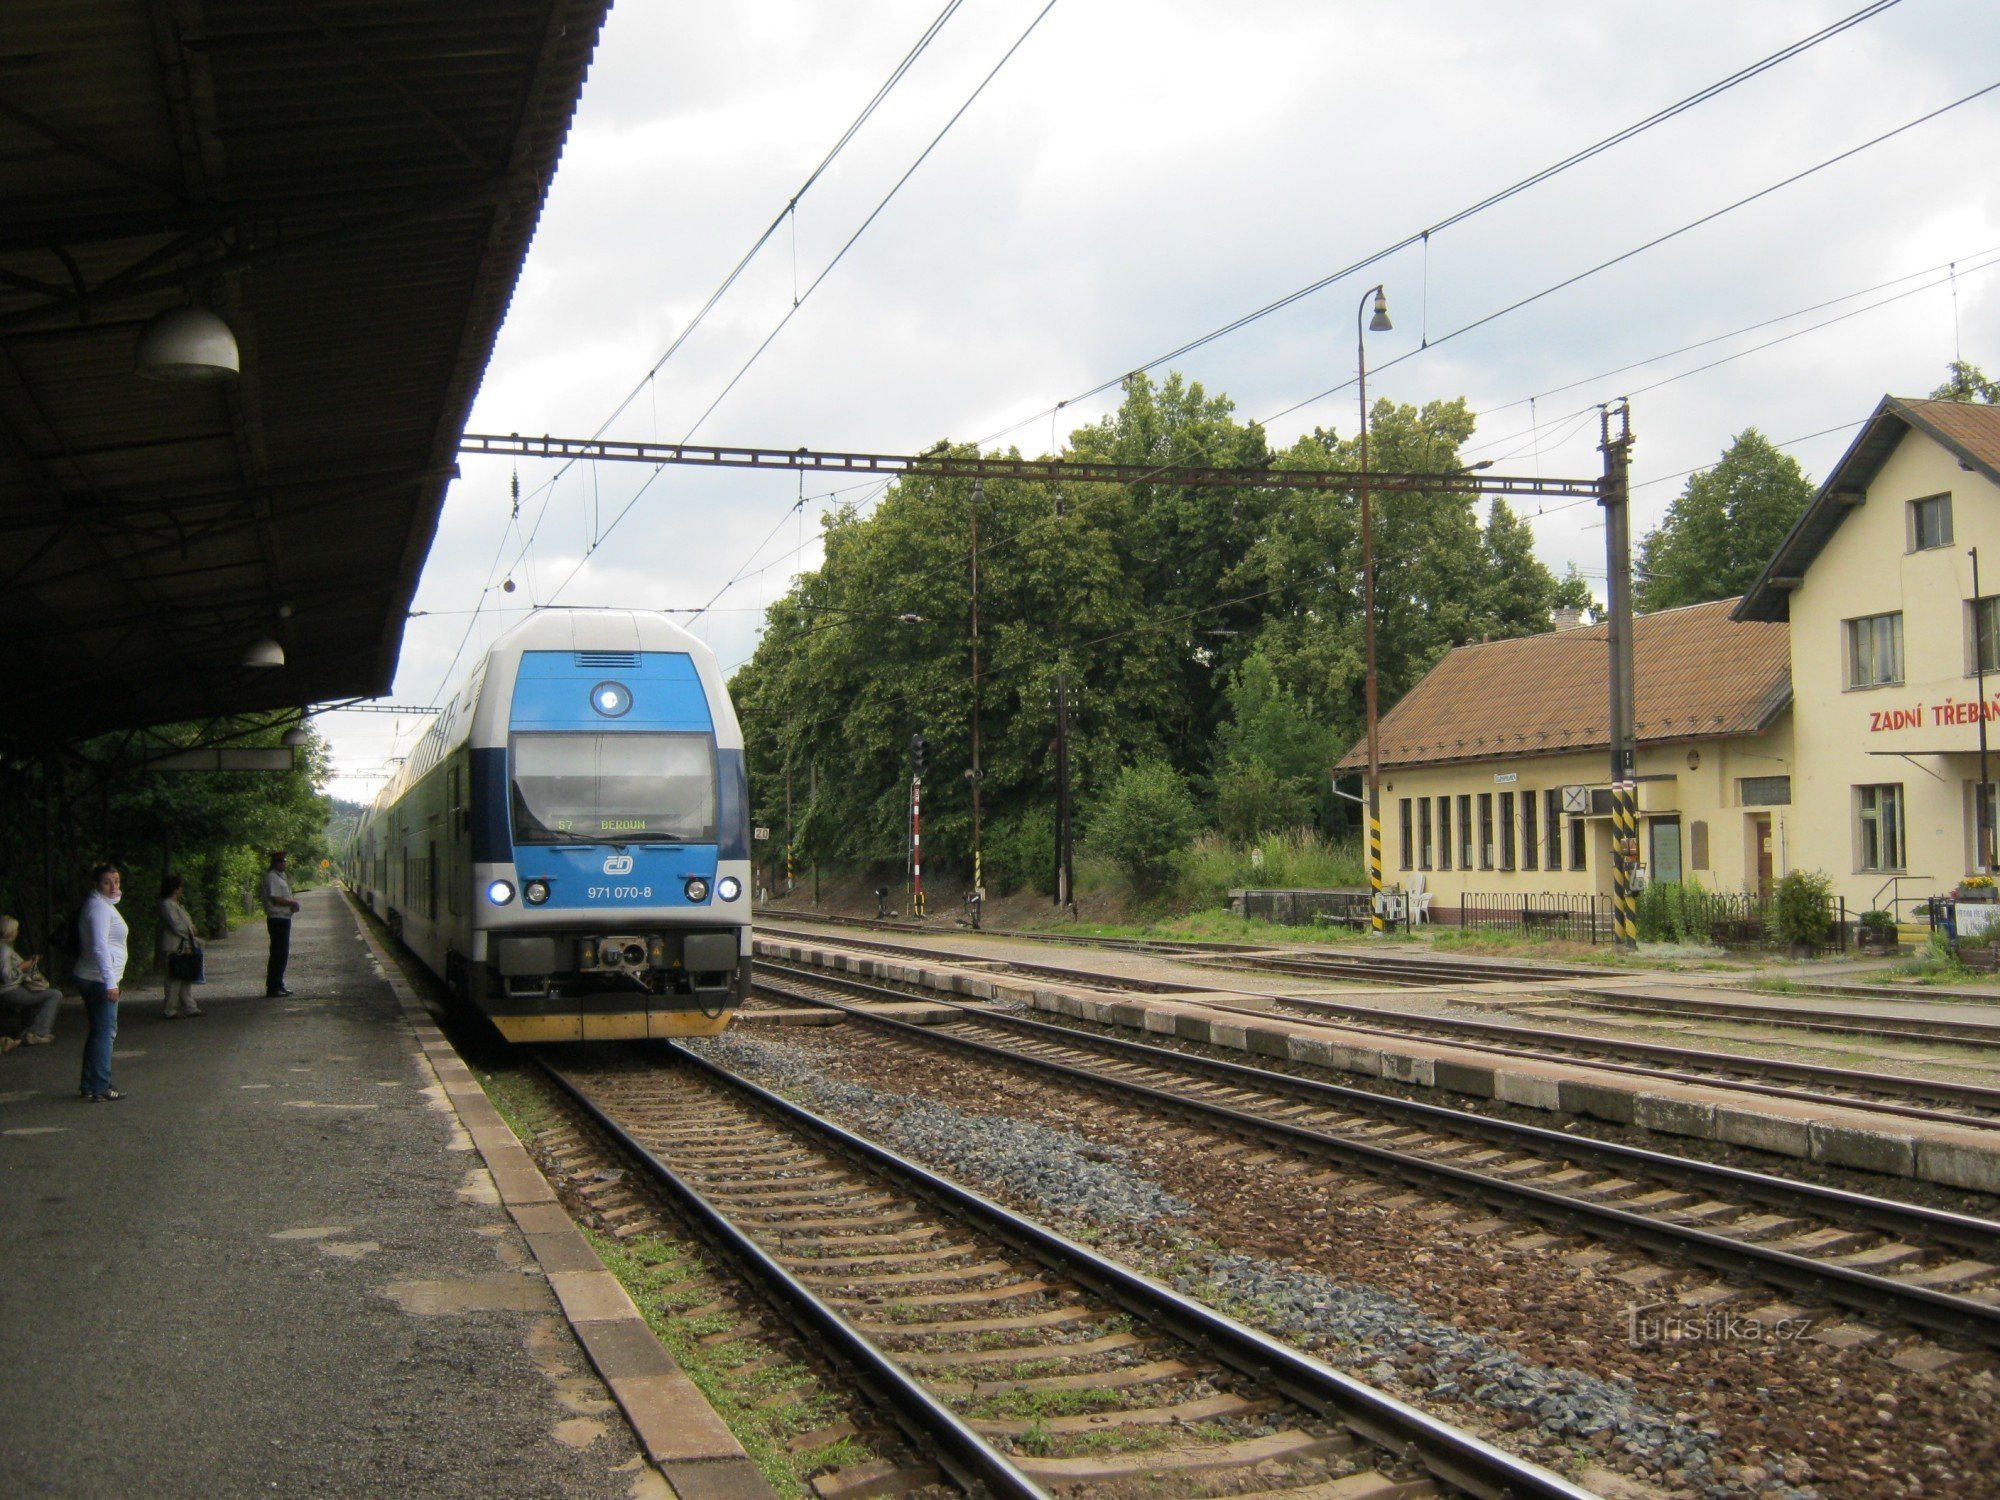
(630,788)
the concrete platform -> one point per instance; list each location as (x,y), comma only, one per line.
(1958,1156)
(283,1265)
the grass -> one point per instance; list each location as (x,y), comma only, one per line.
(1211,926)
(1016,1404)
(668,1279)
(1297,860)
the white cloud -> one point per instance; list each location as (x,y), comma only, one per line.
(1142,172)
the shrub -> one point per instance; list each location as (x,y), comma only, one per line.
(1878,924)
(1802,913)
(1021,853)
(1143,822)
(1673,911)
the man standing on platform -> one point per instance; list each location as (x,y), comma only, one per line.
(279,905)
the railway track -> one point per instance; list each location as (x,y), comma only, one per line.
(1889,1093)
(1895,1261)
(1898,1094)
(1024,1363)
(1894,1028)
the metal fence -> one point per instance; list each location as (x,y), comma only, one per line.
(1730,919)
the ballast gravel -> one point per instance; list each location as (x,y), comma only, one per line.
(1073,1179)
(1067,1176)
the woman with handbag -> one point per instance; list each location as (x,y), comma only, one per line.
(180,947)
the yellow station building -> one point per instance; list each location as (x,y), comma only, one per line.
(1828,720)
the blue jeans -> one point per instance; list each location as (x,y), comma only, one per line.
(103,1014)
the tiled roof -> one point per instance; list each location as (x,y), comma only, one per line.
(1697,674)
(1968,429)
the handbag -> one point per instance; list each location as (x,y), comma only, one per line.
(185,963)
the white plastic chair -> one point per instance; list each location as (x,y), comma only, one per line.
(1420,899)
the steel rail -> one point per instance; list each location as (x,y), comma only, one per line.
(1605,1052)
(926,1421)
(1907,1028)
(1938,1311)
(1457,1458)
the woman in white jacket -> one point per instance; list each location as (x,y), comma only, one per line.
(177,935)
(100,965)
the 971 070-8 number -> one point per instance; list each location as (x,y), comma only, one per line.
(621,892)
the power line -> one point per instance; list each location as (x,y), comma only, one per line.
(790,211)
(1491,200)
(827,271)
(1654,243)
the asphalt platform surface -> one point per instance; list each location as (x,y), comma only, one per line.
(277,1267)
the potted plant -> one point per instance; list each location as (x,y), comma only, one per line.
(1977,888)
(1878,932)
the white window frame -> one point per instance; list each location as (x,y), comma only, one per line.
(1942,502)
(1862,643)
(1891,852)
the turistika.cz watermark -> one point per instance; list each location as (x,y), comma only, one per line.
(1662,1322)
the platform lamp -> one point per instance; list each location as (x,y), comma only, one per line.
(1379,323)
(186,343)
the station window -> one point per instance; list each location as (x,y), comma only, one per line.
(1879,827)
(1984,821)
(1576,843)
(1506,830)
(1465,833)
(1985,633)
(1404,831)
(1552,814)
(1444,833)
(1930,522)
(1765,791)
(1531,834)
(1485,830)
(1875,650)
(1423,833)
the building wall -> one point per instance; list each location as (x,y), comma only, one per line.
(1709,792)
(1869,567)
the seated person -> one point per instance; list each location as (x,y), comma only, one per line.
(24,988)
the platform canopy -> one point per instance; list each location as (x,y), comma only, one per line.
(350,186)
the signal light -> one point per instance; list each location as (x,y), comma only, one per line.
(536,892)
(696,888)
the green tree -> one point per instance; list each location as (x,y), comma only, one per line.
(1573,591)
(1143,822)
(1964,382)
(1723,527)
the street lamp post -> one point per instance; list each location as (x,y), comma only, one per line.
(1378,323)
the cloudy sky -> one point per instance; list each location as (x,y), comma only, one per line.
(1142,172)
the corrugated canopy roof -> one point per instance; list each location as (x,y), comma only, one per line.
(351,185)
(1697,674)
(1968,429)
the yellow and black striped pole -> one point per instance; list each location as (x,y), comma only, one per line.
(1375,863)
(1625,832)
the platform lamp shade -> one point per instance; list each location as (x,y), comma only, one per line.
(186,343)
(264,652)
(297,739)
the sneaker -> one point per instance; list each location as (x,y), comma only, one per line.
(194,1012)
(8,1044)
(281,993)
(38,1039)
(106,1097)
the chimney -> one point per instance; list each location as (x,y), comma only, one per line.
(1566,618)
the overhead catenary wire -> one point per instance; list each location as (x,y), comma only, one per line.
(1491,200)
(826,271)
(788,212)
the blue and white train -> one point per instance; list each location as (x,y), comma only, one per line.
(569,845)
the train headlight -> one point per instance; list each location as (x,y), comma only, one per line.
(535,892)
(728,888)
(696,888)
(612,699)
(500,892)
